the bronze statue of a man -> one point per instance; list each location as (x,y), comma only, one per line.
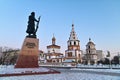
(31,25)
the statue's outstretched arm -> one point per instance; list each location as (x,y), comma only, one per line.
(36,20)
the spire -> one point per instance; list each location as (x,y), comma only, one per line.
(73,35)
(53,40)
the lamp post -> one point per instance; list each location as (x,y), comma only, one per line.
(110,63)
(108,55)
(119,58)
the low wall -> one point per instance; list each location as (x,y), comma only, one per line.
(59,65)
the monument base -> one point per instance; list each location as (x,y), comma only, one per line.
(28,56)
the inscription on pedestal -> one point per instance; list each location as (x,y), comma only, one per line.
(30,45)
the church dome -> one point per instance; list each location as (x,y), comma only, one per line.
(53,39)
(90,42)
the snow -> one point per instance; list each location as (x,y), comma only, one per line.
(63,76)
(11,69)
(99,70)
(66,74)
(97,66)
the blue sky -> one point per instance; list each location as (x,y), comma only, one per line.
(97,19)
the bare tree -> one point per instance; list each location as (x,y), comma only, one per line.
(9,56)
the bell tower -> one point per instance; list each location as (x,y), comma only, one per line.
(73,53)
(73,42)
(91,55)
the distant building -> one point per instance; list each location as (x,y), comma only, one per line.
(1,52)
(53,55)
(91,55)
(73,53)
(99,54)
(41,57)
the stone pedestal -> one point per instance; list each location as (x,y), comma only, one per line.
(28,56)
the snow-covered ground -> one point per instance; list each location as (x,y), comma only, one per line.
(65,75)
(99,70)
(98,66)
(10,69)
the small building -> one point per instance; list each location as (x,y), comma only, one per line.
(53,55)
(1,52)
(99,54)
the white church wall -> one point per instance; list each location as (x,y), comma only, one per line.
(50,50)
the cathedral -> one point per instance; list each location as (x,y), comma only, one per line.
(73,53)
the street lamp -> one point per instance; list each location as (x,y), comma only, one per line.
(108,55)
(119,58)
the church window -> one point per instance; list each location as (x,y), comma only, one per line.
(53,60)
(74,43)
(89,47)
(74,34)
(89,51)
(48,51)
(79,55)
(70,54)
(49,57)
(73,37)
(57,60)
(70,43)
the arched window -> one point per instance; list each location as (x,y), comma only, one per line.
(70,43)
(89,51)
(89,46)
(74,43)
(70,54)
(79,55)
